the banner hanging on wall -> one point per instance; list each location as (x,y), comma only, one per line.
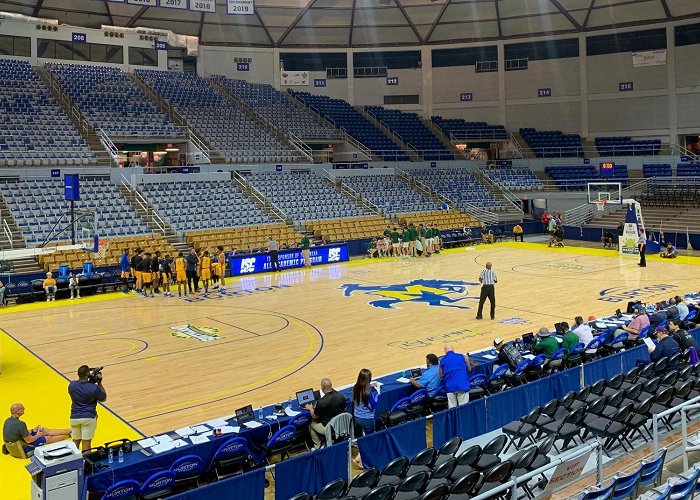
(630,234)
(240,7)
(295,78)
(649,58)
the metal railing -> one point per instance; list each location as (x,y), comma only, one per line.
(507,194)
(144,205)
(460,137)
(8,233)
(108,145)
(675,409)
(684,433)
(599,151)
(386,130)
(199,144)
(440,134)
(351,193)
(300,146)
(259,198)
(679,150)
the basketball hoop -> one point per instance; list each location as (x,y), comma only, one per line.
(600,204)
(102,248)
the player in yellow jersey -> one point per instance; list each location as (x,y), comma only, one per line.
(205,271)
(222,267)
(180,274)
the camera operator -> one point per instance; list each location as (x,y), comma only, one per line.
(85,393)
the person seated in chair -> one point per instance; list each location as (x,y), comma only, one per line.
(569,339)
(666,347)
(658,316)
(608,239)
(15,431)
(49,286)
(518,232)
(670,252)
(638,323)
(684,339)
(430,378)
(372,248)
(557,237)
(672,310)
(486,234)
(330,405)
(545,343)
(508,354)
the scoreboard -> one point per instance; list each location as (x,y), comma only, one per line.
(607,169)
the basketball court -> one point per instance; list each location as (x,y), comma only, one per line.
(170,362)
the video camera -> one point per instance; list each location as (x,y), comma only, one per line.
(95,376)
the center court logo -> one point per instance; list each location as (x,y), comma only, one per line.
(201,333)
(431,292)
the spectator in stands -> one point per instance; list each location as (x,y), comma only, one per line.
(365,395)
(582,330)
(638,323)
(666,347)
(74,286)
(518,232)
(305,244)
(569,339)
(672,309)
(191,262)
(684,339)
(15,431)
(49,286)
(507,353)
(545,343)
(608,239)
(642,245)
(658,316)
(682,306)
(670,252)
(430,378)
(453,372)
(330,405)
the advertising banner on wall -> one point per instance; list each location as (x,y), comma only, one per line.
(630,234)
(295,78)
(649,58)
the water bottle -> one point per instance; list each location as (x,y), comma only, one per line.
(120,456)
(289,403)
(260,413)
(110,456)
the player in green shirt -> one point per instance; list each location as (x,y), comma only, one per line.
(412,237)
(405,238)
(372,248)
(394,235)
(305,250)
(436,240)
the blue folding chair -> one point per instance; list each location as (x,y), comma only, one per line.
(535,369)
(691,315)
(158,485)
(644,332)
(518,375)
(685,488)
(123,490)
(398,413)
(280,443)
(187,470)
(497,381)
(301,424)
(627,486)
(599,494)
(575,355)
(233,457)
(477,386)
(651,471)
(419,404)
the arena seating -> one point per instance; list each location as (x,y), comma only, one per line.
(460,186)
(471,131)
(625,146)
(688,170)
(413,132)
(443,219)
(349,228)
(346,117)
(113,103)
(34,129)
(656,170)
(304,196)
(202,204)
(552,144)
(576,177)
(244,238)
(277,108)
(38,204)
(390,194)
(513,178)
(225,126)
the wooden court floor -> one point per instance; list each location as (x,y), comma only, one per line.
(170,363)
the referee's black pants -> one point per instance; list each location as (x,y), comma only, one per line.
(192,281)
(274,260)
(487,291)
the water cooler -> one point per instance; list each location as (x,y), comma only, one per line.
(57,472)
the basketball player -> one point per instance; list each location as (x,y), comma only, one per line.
(166,275)
(137,269)
(125,266)
(215,271)
(146,275)
(222,267)
(155,271)
(181,274)
(205,271)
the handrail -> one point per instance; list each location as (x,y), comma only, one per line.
(518,147)
(440,134)
(198,143)
(8,233)
(305,150)
(351,193)
(260,198)
(143,205)
(677,149)
(108,144)
(656,416)
(684,434)
(507,193)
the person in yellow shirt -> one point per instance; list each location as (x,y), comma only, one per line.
(205,272)
(49,286)
(222,267)
(517,232)
(180,274)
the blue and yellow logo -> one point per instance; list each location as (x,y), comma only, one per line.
(432,292)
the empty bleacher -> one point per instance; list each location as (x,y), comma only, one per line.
(552,143)
(513,178)
(244,238)
(443,219)
(688,170)
(187,206)
(34,130)
(38,205)
(461,129)
(459,186)
(277,108)
(113,103)
(390,194)
(349,228)
(577,177)
(625,146)
(413,132)
(226,127)
(346,117)
(657,170)
(303,196)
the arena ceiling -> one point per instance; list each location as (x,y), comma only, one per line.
(358,23)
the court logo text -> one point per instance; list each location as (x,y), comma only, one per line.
(433,339)
(201,333)
(431,292)
(515,321)
(619,294)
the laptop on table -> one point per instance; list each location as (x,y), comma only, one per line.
(245,416)
(305,397)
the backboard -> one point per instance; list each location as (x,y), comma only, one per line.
(611,192)
(85,224)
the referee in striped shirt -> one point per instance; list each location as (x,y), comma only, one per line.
(488,279)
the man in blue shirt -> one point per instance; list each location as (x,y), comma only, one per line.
(84,396)
(669,252)
(453,371)
(666,347)
(430,379)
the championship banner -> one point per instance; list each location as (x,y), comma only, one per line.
(630,235)
(240,7)
(295,78)
(649,58)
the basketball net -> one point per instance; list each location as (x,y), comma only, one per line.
(102,247)
(600,204)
